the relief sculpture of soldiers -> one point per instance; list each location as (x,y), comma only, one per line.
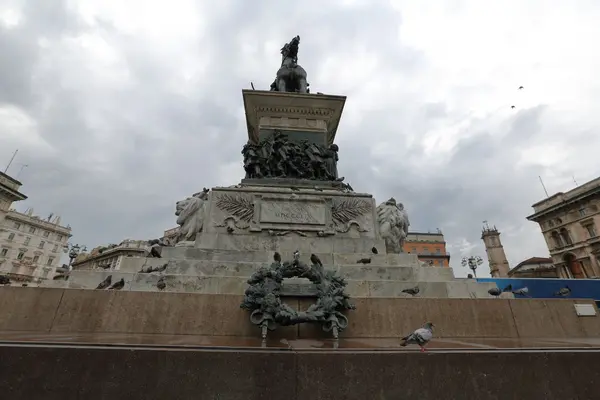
(280,157)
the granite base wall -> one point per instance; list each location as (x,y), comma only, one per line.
(84,373)
(72,310)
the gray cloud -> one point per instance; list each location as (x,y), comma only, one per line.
(131,124)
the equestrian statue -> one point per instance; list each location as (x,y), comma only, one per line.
(291,77)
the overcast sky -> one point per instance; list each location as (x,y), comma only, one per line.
(121,108)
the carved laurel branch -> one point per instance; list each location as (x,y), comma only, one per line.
(345,212)
(241,210)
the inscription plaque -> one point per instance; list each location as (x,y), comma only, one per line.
(286,212)
(299,290)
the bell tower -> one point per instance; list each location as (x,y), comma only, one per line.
(495,251)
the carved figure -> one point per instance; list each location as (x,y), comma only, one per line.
(331,160)
(190,214)
(262,297)
(393,225)
(279,157)
(291,77)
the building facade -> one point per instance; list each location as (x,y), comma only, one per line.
(9,193)
(429,247)
(109,257)
(169,236)
(31,247)
(495,252)
(534,267)
(569,222)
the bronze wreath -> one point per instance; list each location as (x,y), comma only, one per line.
(263,297)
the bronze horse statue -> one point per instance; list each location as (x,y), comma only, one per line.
(291,77)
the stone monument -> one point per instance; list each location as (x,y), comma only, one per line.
(292,205)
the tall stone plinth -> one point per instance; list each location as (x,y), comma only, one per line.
(243,226)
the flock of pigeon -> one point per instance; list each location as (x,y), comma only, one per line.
(420,337)
(120,284)
(513,106)
(524,291)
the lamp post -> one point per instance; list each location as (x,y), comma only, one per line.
(73,250)
(472,262)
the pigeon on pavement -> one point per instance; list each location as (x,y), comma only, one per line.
(374,250)
(117,285)
(421,336)
(495,292)
(563,292)
(524,291)
(105,283)
(364,261)
(412,291)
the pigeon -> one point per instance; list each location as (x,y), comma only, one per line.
(521,87)
(522,291)
(105,283)
(495,292)
(277,258)
(412,291)
(507,289)
(374,250)
(117,285)
(315,260)
(563,292)
(161,285)
(512,106)
(421,336)
(230,229)
(364,261)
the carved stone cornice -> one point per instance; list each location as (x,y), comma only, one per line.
(323,111)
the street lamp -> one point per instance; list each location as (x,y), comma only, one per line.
(73,250)
(472,262)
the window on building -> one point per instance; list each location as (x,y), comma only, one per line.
(566,236)
(11,237)
(413,250)
(42,244)
(50,260)
(438,251)
(31,229)
(17,225)
(20,255)
(36,259)
(46,233)
(4,252)
(55,249)
(582,212)
(27,240)
(591,229)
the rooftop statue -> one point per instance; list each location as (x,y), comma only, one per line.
(291,77)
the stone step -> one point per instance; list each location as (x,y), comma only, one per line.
(264,242)
(237,285)
(246,269)
(263,256)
